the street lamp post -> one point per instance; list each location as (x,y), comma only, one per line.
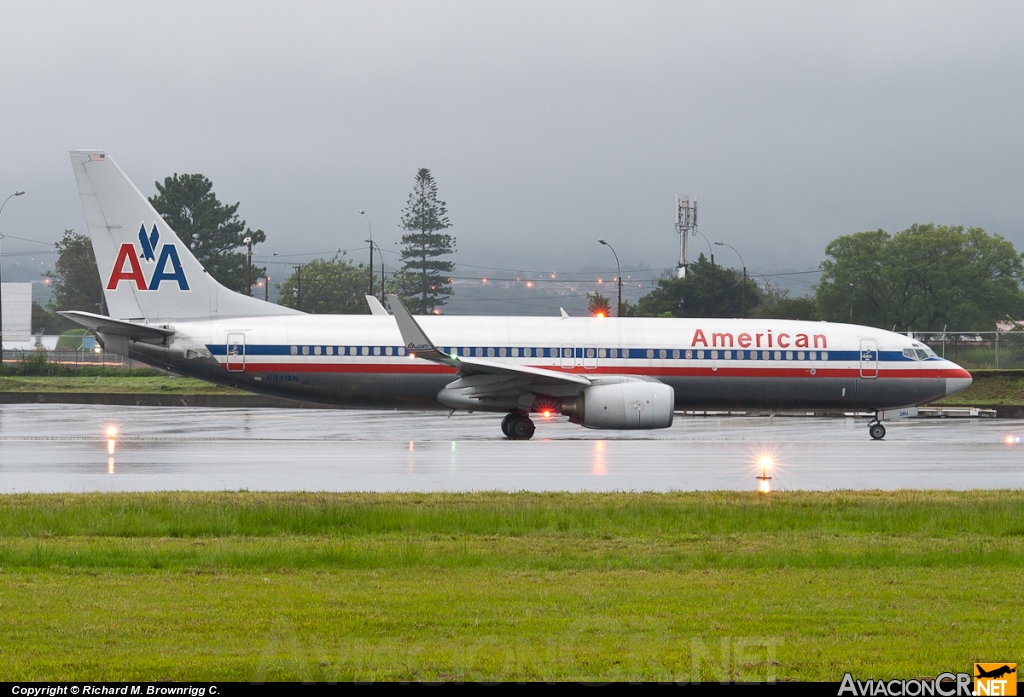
(362,212)
(266,288)
(372,243)
(743,288)
(618,270)
(248,267)
(851,303)
(16,193)
(696,232)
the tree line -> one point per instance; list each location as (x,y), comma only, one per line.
(925,278)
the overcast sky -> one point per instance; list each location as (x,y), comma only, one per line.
(547,125)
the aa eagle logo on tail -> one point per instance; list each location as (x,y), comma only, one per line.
(166,265)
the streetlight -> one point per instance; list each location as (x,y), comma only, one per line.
(362,212)
(712,253)
(372,243)
(266,288)
(16,193)
(248,267)
(851,303)
(619,271)
(743,290)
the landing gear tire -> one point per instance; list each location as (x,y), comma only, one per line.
(518,427)
(504,424)
(877,431)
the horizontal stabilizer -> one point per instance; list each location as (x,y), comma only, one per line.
(115,327)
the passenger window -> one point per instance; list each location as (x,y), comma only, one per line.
(501,352)
(295,350)
(700,355)
(650,353)
(330,350)
(602,353)
(401,350)
(490,352)
(800,355)
(789,355)
(689,354)
(675,353)
(376,350)
(814,355)
(305,350)
(662,353)
(727,355)
(714,355)
(366,351)
(388,350)
(778,355)
(478,351)
(590,353)
(824,355)
(316,350)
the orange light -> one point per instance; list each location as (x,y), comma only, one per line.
(529,284)
(1009,440)
(412,356)
(111,431)
(547,413)
(599,315)
(485,280)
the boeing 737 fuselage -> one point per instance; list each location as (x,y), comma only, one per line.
(610,373)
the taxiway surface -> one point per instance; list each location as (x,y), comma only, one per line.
(50,448)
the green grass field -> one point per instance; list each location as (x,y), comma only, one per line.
(117,384)
(490,586)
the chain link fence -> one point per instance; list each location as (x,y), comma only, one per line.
(42,361)
(977,349)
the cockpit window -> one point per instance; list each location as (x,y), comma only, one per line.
(921,353)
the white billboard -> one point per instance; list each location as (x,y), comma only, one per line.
(16,307)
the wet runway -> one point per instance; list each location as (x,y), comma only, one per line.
(54,448)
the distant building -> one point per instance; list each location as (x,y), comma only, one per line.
(16,307)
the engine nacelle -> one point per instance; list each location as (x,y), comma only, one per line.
(623,405)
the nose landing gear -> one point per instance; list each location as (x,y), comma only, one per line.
(517,426)
(876,430)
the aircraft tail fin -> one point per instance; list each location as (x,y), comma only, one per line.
(147,272)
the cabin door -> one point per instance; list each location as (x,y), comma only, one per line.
(868,358)
(236,352)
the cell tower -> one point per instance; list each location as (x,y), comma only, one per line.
(686,222)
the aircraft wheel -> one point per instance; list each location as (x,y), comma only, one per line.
(504,424)
(877,431)
(520,427)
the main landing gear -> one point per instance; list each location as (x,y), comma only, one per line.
(517,426)
(876,429)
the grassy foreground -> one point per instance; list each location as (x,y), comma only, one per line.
(126,384)
(683,586)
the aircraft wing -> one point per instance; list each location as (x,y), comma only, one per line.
(417,342)
(117,327)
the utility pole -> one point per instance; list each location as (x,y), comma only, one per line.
(298,286)
(16,193)
(713,284)
(248,266)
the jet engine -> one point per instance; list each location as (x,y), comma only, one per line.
(622,405)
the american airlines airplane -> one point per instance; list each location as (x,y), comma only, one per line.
(604,373)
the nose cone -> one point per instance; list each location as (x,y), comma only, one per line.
(957,380)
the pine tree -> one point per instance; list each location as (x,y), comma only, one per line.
(75,279)
(424,217)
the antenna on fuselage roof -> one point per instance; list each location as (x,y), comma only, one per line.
(686,222)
